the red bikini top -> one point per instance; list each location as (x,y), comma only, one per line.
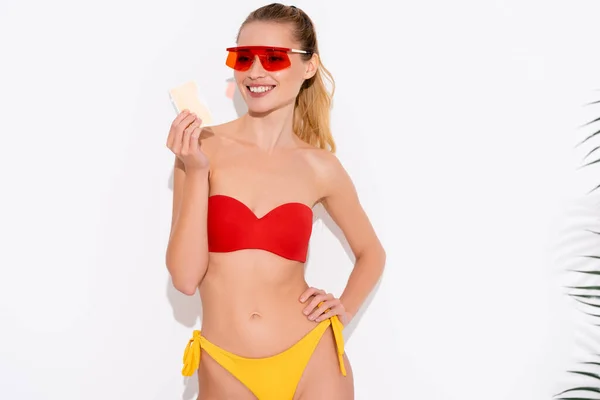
(285,230)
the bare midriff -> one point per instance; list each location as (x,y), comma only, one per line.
(250,302)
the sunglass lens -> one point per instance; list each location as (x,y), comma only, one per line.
(275,60)
(240,60)
(271,59)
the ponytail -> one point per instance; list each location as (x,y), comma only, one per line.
(312,111)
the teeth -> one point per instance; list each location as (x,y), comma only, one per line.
(260,89)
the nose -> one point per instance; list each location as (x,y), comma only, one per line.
(256,70)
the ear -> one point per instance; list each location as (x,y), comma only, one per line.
(311,66)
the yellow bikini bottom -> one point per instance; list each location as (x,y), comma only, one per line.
(269,378)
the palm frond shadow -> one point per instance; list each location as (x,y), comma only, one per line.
(580,245)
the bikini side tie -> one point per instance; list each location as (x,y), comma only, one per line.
(337,327)
(191,355)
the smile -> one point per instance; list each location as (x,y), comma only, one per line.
(260,89)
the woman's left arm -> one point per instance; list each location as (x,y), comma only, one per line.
(342,203)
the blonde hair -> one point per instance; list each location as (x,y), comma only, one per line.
(313,103)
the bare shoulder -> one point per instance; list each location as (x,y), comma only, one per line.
(327,165)
(328,169)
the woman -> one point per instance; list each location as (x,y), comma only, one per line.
(242,218)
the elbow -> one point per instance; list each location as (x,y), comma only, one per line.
(378,257)
(375,257)
(381,257)
(185,284)
(187,288)
(185,278)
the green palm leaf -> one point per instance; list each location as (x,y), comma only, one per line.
(591,292)
(596,188)
(587,272)
(588,304)
(585,287)
(576,398)
(591,151)
(586,296)
(592,315)
(582,389)
(589,137)
(590,163)
(592,363)
(590,374)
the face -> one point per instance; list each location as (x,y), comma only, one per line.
(263,90)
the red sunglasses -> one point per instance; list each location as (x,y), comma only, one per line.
(271,58)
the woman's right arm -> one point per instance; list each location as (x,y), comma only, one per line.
(187,250)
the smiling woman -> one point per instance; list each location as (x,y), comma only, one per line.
(261,38)
(242,219)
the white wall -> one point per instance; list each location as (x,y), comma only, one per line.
(457,121)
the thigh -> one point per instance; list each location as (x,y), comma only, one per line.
(322,378)
(216,383)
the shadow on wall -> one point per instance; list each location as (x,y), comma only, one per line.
(187,310)
(234,94)
(581,241)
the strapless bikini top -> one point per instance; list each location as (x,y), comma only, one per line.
(285,230)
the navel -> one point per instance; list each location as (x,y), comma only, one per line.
(255,315)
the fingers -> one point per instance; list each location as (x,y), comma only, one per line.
(309,292)
(185,141)
(180,133)
(330,312)
(318,298)
(194,145)
(174,127)
(327,309)
(190,138)
(180,123)
(322,305)
(180,117)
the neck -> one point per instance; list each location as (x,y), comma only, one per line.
(270,130)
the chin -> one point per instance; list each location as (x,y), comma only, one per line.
(263,111)
(256,108)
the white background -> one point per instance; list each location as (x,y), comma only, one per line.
(456,120)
